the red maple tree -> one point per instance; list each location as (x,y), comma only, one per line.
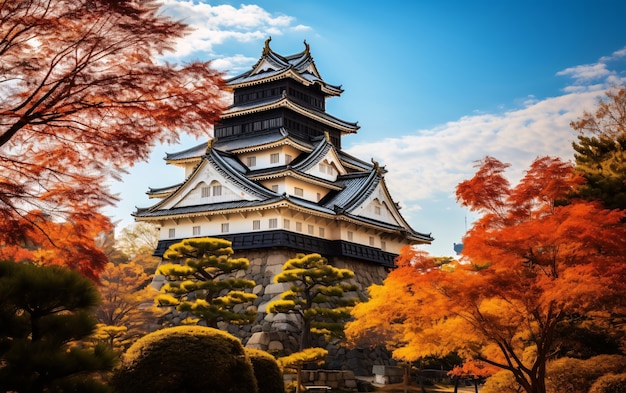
(83,98)
(533,260)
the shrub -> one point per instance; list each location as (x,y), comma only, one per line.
(568,375)
(269,377)
(501,382)
(610,383)
(186,359)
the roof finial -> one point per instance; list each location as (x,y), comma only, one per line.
(307,48)
(380,170)
(267,49)
(209,144)
(327,136)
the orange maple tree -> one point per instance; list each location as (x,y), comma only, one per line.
(83,96)
(531,261)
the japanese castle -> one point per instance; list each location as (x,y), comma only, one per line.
(275,177)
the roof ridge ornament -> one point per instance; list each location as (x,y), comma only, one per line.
(380,170)
(307,48)
(266,49)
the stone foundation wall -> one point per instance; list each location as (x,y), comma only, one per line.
(279,333)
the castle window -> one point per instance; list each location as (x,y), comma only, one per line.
(322,232)
(196,230)
(297,191)
(206,192)
(377,210)
(311,229)
(286,224)
(171,233)
(273,223)
(350,235)
(275,187)
(299,226)
(274,158)
(371,240)
(288,159)
(256,225)
(251,161)
(325,168)
(225,227)
(217,190)
(383,245)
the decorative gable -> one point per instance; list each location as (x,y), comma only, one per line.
(328,167)
(207,185)
(380,207)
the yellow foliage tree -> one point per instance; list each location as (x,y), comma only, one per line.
(126,306)
(532,262)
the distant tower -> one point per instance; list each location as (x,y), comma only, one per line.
(275,182)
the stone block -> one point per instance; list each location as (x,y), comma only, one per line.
(275,346)
(259,338)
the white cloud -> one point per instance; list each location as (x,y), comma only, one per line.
(600,72)
(430,163)
(586,72)
(216,25)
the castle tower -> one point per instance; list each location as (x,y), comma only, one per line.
(275,181)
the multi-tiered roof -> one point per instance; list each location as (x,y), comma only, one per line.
(275,174)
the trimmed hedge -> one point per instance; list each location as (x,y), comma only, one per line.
(186,359)
(269,377)
(610,383)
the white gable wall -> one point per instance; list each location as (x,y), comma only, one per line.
(220,189)
(378,207)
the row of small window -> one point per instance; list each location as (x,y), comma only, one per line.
(297,191)
(256,226)
(303,96)
(273,224)
(208,191)
(274,159)
(249,127)
(273,92)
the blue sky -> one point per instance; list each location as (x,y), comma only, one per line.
(434,85)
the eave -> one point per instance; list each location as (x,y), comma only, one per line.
(284,74)
(296,175)
(282,142)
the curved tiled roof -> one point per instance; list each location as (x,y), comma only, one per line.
(314,157)
(272,66)
(154,192)
(254,141)
(193,152)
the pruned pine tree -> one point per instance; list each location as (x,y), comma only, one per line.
(45,318)
(293,363)
(201,280)
(317,295)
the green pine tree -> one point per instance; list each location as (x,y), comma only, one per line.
(45,313)
(600,151)
(201,280)
(316,295)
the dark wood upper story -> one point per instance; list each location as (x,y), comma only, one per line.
(311,97)
(282,92)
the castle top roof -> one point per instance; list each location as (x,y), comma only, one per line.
(273,66)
